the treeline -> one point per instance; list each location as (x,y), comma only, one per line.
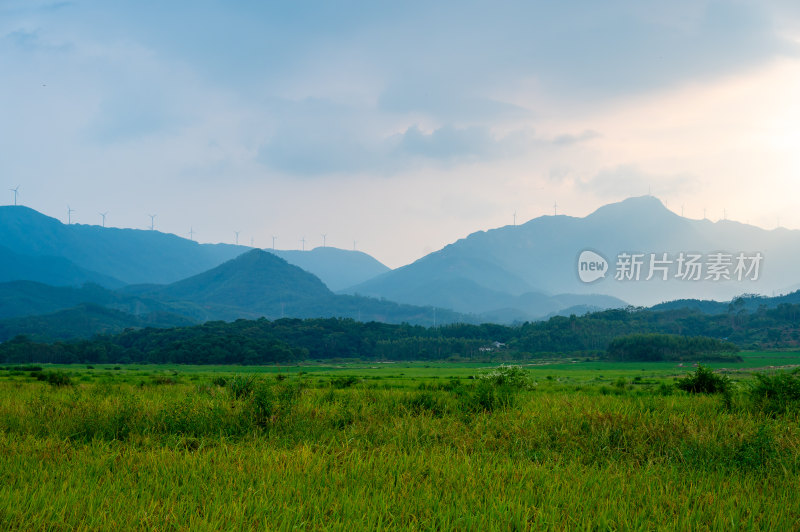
(266,342)
(287,340)
(762,329)
(670,347)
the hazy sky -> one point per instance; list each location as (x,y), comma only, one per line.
(402,125)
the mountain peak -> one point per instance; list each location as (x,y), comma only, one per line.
(256,279)
(637,207)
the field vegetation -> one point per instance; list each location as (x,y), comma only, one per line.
(555,445)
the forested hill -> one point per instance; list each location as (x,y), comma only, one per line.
(286,340)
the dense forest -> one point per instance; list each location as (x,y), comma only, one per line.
(670,347)
(264,341)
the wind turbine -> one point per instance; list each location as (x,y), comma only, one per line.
(103,214)
(274,238)
(324,239)
(354,245)
(515,218)
(237,236)
(555,209)
(252,241)
(15,190)
(69,215)
(303,240)
(152,221)
(191,233)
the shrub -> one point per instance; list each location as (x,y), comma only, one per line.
(219,381)
(21,368)
(449,386)
(506,375)
(53,378)
(241,386)
(776,394)
(665,389)
(704,380)
(262,402)
(344,381)
(424,402)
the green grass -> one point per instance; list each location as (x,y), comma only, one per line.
(413,446)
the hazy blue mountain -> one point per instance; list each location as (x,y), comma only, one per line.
(56,271)
(255,284)
(28,298)
(129,255)
(337,268)
(257,281)
(541,256)
(260,284)
(84,321)
(36,247)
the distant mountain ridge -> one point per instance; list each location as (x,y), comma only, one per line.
(84,321)
(255,284)
(128,255)
(338,268)
(510,274)
(541,255)
(36,247)
(56,271)
(261,284)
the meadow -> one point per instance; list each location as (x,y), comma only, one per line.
(562,444)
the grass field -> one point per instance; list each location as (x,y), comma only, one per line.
(576,445)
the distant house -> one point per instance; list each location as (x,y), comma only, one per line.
(494,346)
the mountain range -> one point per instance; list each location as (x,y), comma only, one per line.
(337,268)
(504,275)
(253,285)
(36,247)
(528,267)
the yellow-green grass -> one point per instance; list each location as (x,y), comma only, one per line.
(133,451)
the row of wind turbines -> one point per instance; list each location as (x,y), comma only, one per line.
(192,232)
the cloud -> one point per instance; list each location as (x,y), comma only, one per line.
(342,149)
(628,180)
(447,104)
(570,139)
(451,144)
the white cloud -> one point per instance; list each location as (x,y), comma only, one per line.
(627,180)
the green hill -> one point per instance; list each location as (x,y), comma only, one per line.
(260,284)
(84,321)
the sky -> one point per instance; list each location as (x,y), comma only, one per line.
(396,127)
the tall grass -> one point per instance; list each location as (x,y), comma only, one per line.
(479,454)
